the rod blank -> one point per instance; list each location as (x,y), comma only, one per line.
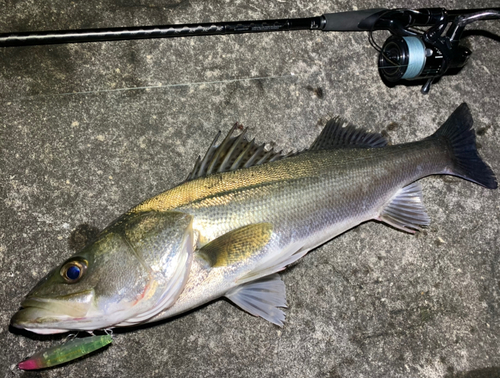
(167,31)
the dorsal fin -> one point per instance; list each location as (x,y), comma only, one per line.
(233,153)
(236,151)
(338,133)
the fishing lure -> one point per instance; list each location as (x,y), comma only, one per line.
(66,352)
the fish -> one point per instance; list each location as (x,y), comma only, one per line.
(69,351)
(245,213)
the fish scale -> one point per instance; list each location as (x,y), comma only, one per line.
(346,188)
(331,194)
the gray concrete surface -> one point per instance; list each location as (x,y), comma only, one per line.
(87,131)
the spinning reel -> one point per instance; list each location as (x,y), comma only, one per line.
(409,54)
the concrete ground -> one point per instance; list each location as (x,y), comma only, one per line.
(89,130)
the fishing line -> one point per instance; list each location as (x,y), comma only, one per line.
(409,54)
(377,48)
(416,57)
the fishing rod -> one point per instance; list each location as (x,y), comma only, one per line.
(410,53)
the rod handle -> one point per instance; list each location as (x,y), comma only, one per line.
(361,20)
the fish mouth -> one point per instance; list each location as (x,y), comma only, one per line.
(47,315)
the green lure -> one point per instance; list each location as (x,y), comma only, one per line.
(69,351)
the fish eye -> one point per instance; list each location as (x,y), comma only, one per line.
(73,270)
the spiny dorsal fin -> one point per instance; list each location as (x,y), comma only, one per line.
(233,153)
(338,133)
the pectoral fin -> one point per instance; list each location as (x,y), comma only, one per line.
(237,245)
(262,298)
(260,292)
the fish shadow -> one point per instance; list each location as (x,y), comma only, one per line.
(36,336)
(481,33)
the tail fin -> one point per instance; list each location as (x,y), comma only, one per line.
(461,138)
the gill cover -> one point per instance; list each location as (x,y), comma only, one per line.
(137,267)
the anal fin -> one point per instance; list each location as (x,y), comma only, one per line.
(262,297)
(406,210)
